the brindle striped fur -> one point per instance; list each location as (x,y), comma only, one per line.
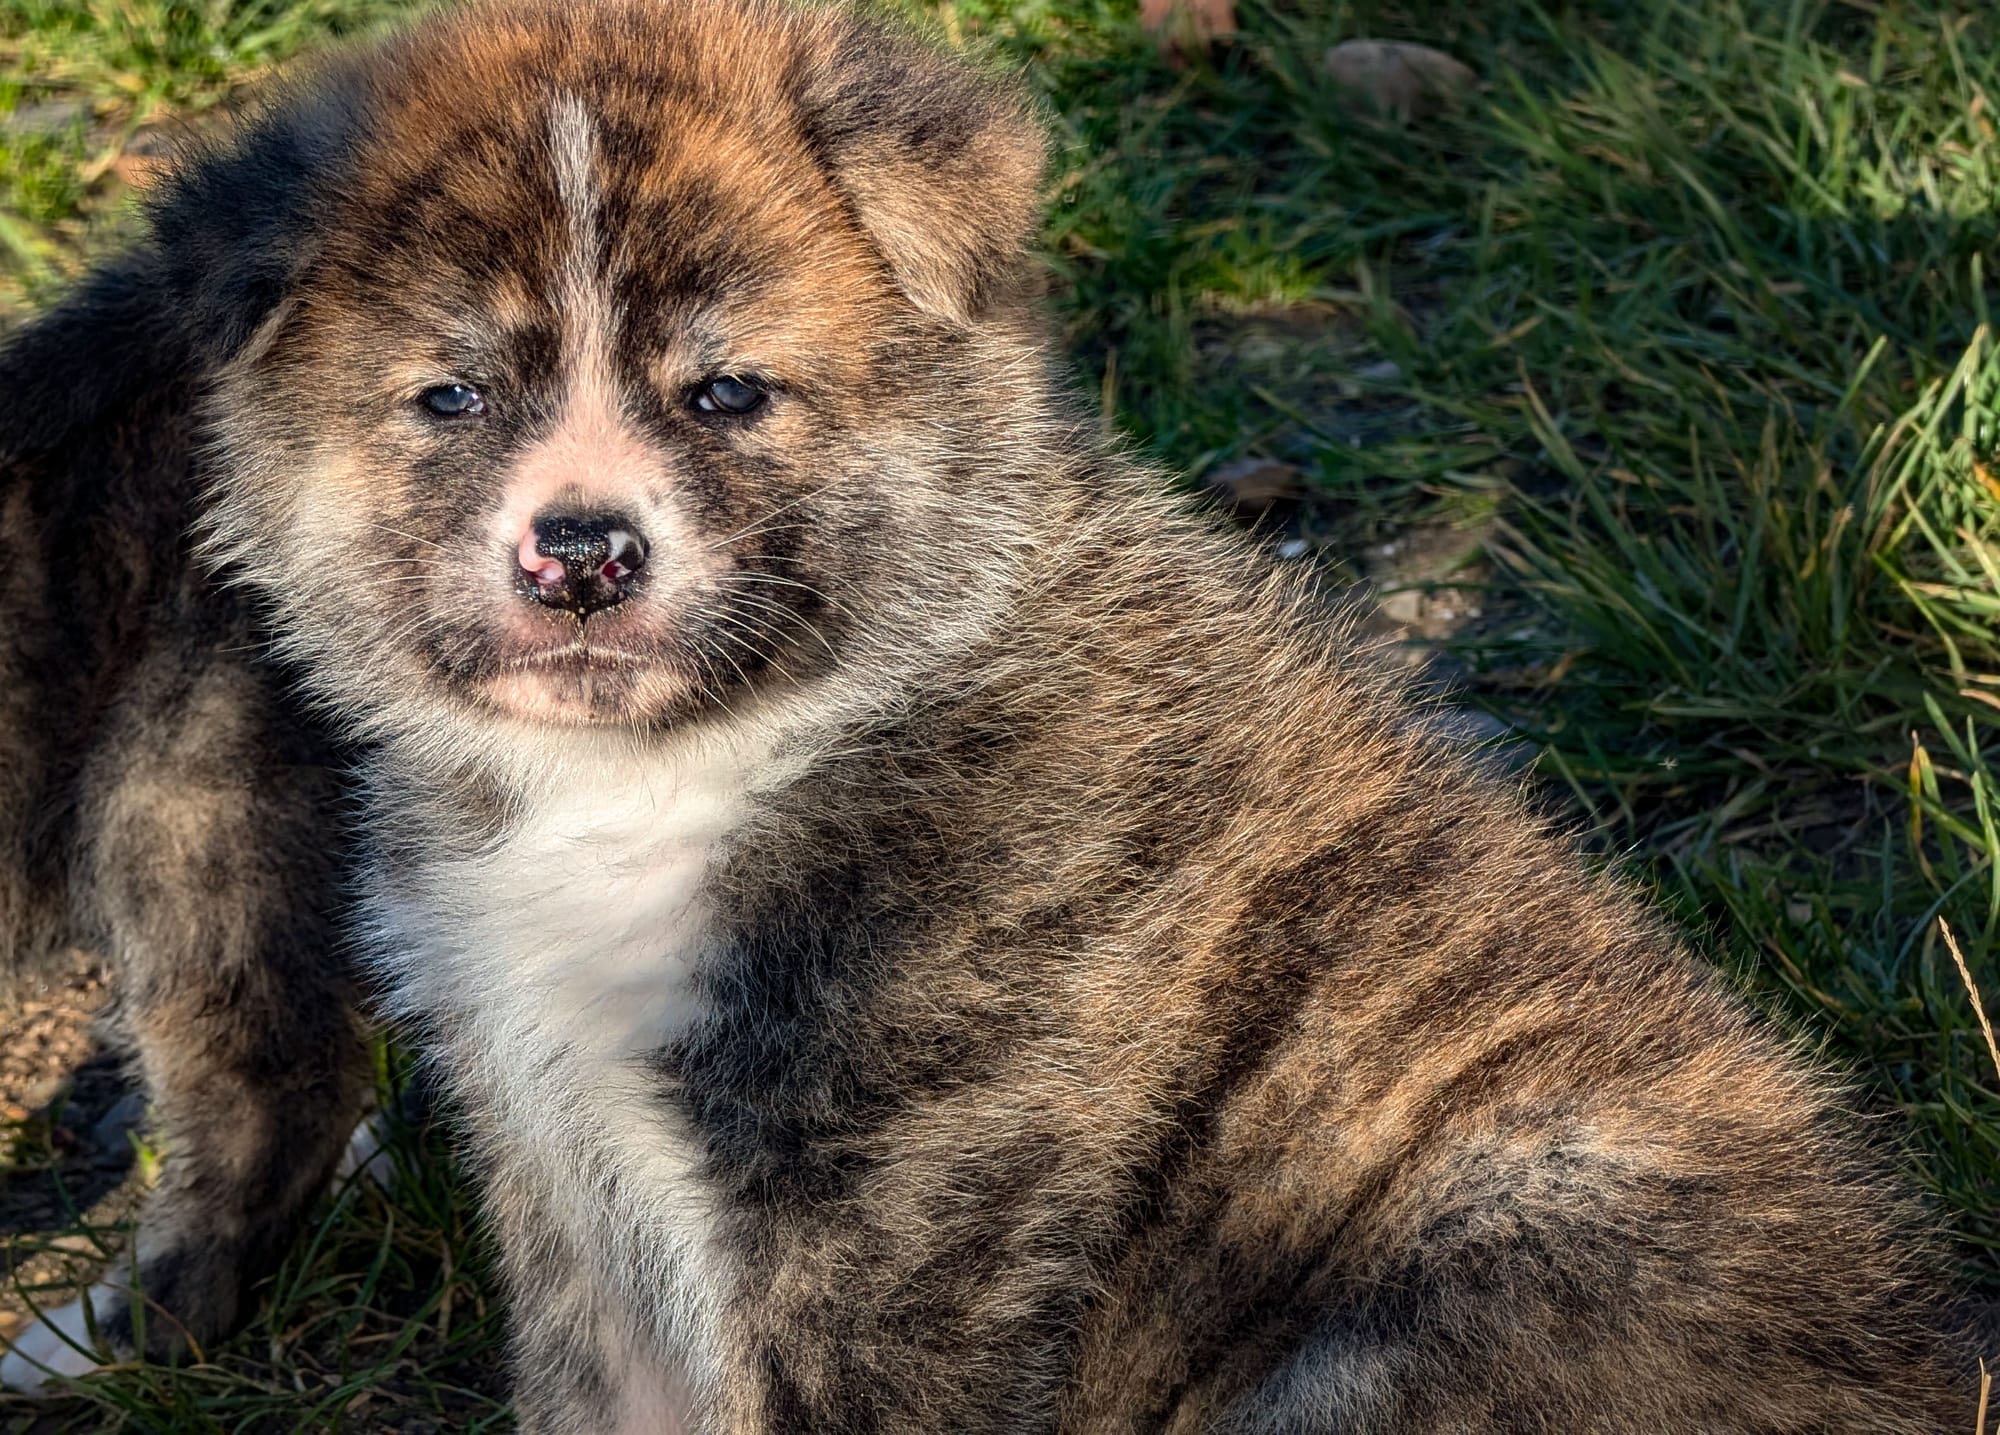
(967,946)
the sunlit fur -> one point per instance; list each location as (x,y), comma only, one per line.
(967,945)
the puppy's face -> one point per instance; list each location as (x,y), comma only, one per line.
(627,366)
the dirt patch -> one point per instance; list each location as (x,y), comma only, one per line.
(69,1179)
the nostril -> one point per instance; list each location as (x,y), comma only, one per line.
(544,570)
(627,555)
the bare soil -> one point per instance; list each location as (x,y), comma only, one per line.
(68,1178)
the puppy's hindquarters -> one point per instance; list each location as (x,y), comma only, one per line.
(32,928)
(213,854)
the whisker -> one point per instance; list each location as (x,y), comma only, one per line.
(736,621)
(724,654)
(777,581)
(427,542)
(793,615)
(748,528)
(763,530)
(701,679)
(702,652)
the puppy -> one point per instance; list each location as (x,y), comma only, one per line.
(928,934)
(164,801)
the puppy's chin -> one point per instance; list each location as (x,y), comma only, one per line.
(588,690)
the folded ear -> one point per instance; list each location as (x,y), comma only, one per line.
(234,223)
(942,165)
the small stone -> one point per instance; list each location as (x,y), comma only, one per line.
(1402,80)
(79,1244)
(146,157)
(1205,19)
(1404,607)
(43,1092)
(50,117)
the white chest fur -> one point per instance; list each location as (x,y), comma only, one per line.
(561,959)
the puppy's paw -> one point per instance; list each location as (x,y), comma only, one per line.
(58,1343)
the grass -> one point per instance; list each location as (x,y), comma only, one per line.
(1678,331)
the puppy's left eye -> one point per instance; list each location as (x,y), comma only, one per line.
(729,394)
(453,401)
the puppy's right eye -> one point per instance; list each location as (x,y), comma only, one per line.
(453,401)
(728,394)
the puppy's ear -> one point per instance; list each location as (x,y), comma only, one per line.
(234,224)
(943,166)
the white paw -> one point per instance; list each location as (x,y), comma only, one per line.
(58,1342)
(367,1155)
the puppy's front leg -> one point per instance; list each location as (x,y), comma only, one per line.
(582,1364)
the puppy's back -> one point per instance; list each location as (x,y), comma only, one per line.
(1228,1034)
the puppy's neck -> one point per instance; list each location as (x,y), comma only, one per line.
(559,892)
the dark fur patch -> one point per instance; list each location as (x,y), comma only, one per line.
(163,798)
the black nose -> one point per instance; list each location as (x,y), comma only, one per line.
(582,564)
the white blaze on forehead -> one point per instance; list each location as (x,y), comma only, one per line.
(583,300)
(594,457)
(573,154)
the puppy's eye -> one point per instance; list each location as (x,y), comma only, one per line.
(453,401)
(729,394)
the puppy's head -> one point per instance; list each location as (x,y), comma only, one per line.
(618,363)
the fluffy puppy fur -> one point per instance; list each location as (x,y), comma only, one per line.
(163,801)
(929,934)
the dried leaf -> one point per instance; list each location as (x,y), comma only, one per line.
(1200,20)
(1252,485)
(1398,78)
(1986,480)
(145,157)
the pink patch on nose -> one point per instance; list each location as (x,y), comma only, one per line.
(537,565)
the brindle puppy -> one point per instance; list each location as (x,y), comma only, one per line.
(163,801)
(930,935)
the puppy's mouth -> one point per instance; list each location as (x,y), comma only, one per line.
(617,666)
(653,660)
(581,655)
